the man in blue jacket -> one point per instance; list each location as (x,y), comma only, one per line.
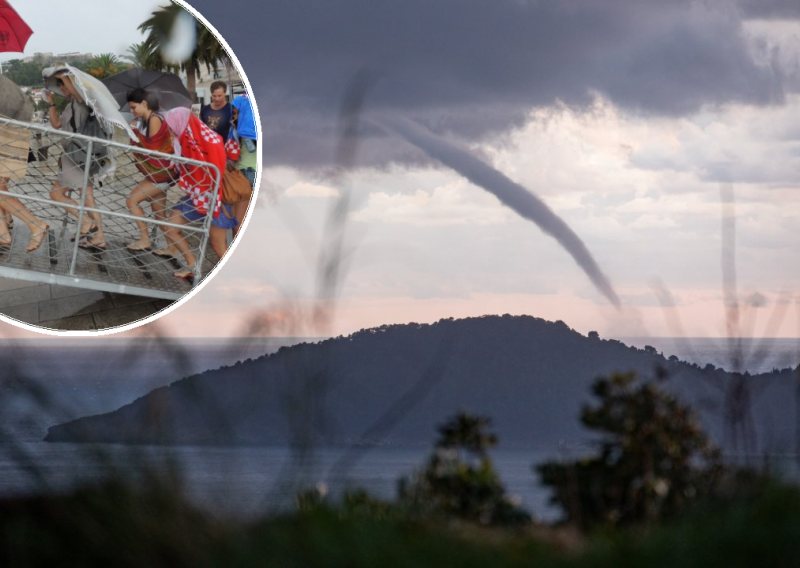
(248,143)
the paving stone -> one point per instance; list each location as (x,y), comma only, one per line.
(10,284)
(161,304)
(71,308)
(75,323)
(123,300)
(74,306)
(123,316)
(58,292)
(28,313)
(22,296)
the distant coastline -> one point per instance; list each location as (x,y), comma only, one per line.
(776,353)
(529,374)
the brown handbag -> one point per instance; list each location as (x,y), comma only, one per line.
(235,186)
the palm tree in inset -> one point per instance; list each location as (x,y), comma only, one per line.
(139,55)
(104,65)
(205,49)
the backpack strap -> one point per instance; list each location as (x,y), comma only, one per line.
(72,124)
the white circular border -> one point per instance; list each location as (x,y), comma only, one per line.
(179,302)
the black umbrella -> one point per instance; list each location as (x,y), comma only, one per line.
(169,88)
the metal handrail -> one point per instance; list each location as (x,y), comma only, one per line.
(82,209)
(111,143)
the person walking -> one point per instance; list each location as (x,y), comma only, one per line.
(159,174)
(244,118)
(198,142)
(71,175)
(14,147)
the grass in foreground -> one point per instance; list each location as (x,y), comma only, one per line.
(117,525)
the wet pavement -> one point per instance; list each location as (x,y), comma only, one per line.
(66,308)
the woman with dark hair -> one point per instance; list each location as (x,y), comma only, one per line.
(159,173)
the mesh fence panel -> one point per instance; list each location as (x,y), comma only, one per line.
(100,256)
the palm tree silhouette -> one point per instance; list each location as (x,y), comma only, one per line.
(206,51)
(139,55)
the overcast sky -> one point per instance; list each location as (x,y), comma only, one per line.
(624,118)
(88,26)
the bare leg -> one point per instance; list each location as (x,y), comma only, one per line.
(159,206)
(13,206)
(145,191)
(218,238)
(5,234)
(97,219)
(177,240)
(240,210)
(61,194)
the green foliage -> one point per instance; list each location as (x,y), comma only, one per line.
(359,503)
(29,74)
(467,432)
(326,539)
(104,65)
(751,528)
(207,50)
(60,102)
(654,458)
(460,480)
(111,524)
(311,499)
(24,74)
(140,55)
(118,525)
(757,528)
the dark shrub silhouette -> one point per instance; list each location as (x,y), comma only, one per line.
(653,459)
(460,480)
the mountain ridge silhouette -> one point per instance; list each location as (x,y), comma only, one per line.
(391,385)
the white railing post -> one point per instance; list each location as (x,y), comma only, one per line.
(82,209)
(207,224)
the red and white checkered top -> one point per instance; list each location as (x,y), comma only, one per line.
(199,142)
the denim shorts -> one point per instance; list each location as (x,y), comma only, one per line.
(191,214)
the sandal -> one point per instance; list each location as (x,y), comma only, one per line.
(185,274)
(163,253)
(92,229)
(134,248)
(89,245)
(38,238)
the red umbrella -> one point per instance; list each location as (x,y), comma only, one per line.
(14,32)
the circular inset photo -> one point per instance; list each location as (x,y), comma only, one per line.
(129,152)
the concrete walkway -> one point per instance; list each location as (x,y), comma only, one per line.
(65,308)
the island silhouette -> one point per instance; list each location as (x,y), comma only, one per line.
(391,385)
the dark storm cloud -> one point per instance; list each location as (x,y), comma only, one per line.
(511,194)
(771,9)
(474,68)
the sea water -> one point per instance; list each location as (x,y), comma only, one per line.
(751,355)
(248,482)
